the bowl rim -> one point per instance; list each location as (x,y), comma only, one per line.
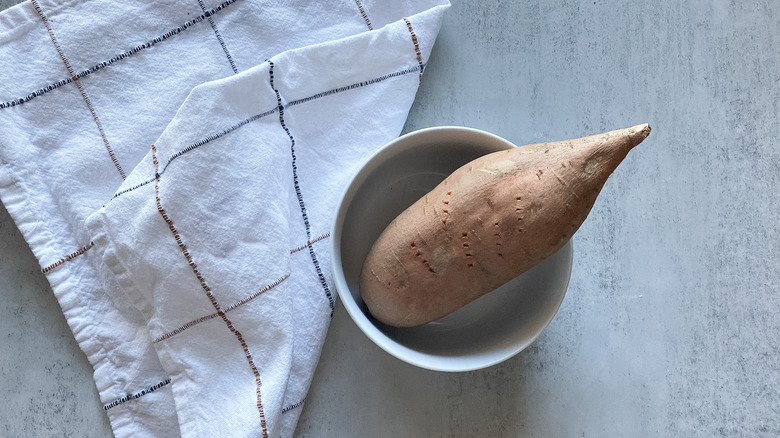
(386,343)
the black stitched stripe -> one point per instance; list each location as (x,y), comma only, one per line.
(119,57)
(298,192)
(219,38)
(267,113)
(129,397)
(355,85)
(130,189)
(194,146)
(293,406)
(213,137)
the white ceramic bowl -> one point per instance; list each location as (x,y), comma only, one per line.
(487,331)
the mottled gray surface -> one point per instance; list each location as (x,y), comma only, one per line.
(5,4)
(670,326)
(45,379)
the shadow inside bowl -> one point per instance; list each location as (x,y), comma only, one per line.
(496,325)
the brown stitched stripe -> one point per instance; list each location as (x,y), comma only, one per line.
(207,289)
(68,257)
(178,330)
(243,301)
(363,13)
(83,92)
(256,294)
(100,128)
(227,309)
(315,240)
(416,46)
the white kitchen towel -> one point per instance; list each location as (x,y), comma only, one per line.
(195,273)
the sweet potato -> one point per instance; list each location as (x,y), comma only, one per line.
(486,223)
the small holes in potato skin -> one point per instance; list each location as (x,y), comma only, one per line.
(471,265)
(466,246)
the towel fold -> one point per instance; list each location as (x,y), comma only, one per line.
(195,273)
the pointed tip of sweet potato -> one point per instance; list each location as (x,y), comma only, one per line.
(638,133)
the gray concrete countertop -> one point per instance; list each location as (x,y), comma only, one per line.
(671,324)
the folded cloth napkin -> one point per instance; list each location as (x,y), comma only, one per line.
(195,273)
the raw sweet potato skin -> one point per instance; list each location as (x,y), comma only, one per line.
(488,222)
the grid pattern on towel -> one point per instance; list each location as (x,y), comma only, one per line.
(119,395)
(81,88)
(207,290)
(75,76)
(299,193)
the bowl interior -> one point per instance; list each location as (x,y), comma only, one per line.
(486,331)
